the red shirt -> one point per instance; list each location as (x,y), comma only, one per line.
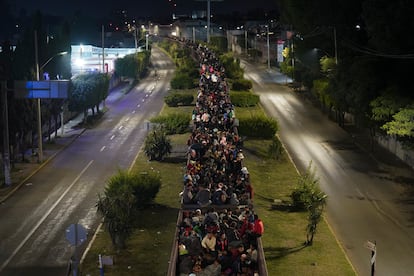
(258,227)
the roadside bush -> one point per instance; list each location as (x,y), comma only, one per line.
(308,186)
(125,193)
(182,81)
(244,99)
(176,123)
(157,145)
(308,196)
(145,186)
(232,65)
(258,126)
(275,149)
(218,44)
(175,99)
(241,84)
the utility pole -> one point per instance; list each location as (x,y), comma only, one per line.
(336,47)
(103,48)
(103,56)
(245,40)
(6,144)
(268,48)
(209,16)
(193,34)
(39,110)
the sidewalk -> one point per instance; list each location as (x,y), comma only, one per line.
(72,129)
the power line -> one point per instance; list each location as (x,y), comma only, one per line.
(374,52)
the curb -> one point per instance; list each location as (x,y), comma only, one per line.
(18,186)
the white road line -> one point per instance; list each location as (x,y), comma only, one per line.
(102,149)
(112,137)
(127,119)
(143,100)
(133,111)
(138,105)
(359,192)
(121,127)
(43,218)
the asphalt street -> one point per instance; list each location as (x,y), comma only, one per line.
(64,190)
(370,197)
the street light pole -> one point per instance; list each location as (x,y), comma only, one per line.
(6,143)
(336,49)
(268,48)
(245,40)
(209,15)
(39,110)
(208,20)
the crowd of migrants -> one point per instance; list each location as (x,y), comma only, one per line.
(219,235)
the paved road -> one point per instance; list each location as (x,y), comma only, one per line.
(368,200)
(64,191)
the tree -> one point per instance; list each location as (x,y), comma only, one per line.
(125,194)
(157,145)
(402,124)
(116,207)
(87,92)
(133,66)
(386,105)
(308,196)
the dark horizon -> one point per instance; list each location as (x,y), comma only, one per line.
(153,9)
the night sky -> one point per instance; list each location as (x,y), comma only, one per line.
(138,8)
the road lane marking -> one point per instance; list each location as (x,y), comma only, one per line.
(143,100)
(133,111)
(44,218)
(112,137)
(121,127)
(138,105)
(102,149)
(360,193)
(127,119)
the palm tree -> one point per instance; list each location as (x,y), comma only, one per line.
(117,206)
(157,145)
(315,208)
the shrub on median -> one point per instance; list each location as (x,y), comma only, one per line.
(175,99)
(258,126)
(176,123)
(244,99)
(241,84)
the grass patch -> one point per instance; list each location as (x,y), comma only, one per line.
(285,232)
(149,248)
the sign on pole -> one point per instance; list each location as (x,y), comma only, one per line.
(49,89)
(76,235)
(373,247)
(280,45)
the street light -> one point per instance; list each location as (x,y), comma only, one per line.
(49,60)
(268,46)
(39,111)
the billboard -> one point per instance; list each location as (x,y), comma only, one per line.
(48,89)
